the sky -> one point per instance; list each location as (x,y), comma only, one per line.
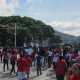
(62,15)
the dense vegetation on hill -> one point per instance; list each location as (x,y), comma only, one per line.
(28,30)
(68,39)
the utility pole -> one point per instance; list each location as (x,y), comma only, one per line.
(15,35)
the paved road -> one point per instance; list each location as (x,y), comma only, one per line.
(47,74)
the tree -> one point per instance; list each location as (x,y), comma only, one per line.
(3,36)
(27,28)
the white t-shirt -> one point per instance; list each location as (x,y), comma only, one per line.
(30,51)
(49,53)
(27,50)
(55,58)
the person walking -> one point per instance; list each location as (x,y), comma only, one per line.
(5,59)
(29,64)
(13,62)
(60,68)
(21,64)
(75,72)
(38,64)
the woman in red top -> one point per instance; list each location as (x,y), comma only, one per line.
(76,72)
(69,70)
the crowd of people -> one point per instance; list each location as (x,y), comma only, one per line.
(64,62)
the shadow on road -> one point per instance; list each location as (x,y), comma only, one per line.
(31,78)
(34,69)
(51,75)
(51,78)
(6,75)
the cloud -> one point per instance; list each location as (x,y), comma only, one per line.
(30,1)
(8,8)
(35,1)
(68,14)
(69,27)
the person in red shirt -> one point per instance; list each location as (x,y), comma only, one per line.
(13,62)
(73,77)
(74,55)
(76,72)
(29,62)
(60,71)
(21,64)
(69,70)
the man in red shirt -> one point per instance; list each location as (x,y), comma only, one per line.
(21,64)
(60,71)
(13,62)
(29,64)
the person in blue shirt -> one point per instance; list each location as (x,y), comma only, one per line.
(38,63)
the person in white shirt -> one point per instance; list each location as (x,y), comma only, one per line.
(30,51)
(68,58)
(49,58)
(55,59)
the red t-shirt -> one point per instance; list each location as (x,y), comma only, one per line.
(21,63)
(68,70)
(72,77)
(60,67)
(74,56)
(58,50)
(29,61)
(14,58)
(5,55)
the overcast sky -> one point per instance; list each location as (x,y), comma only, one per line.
(63,15)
